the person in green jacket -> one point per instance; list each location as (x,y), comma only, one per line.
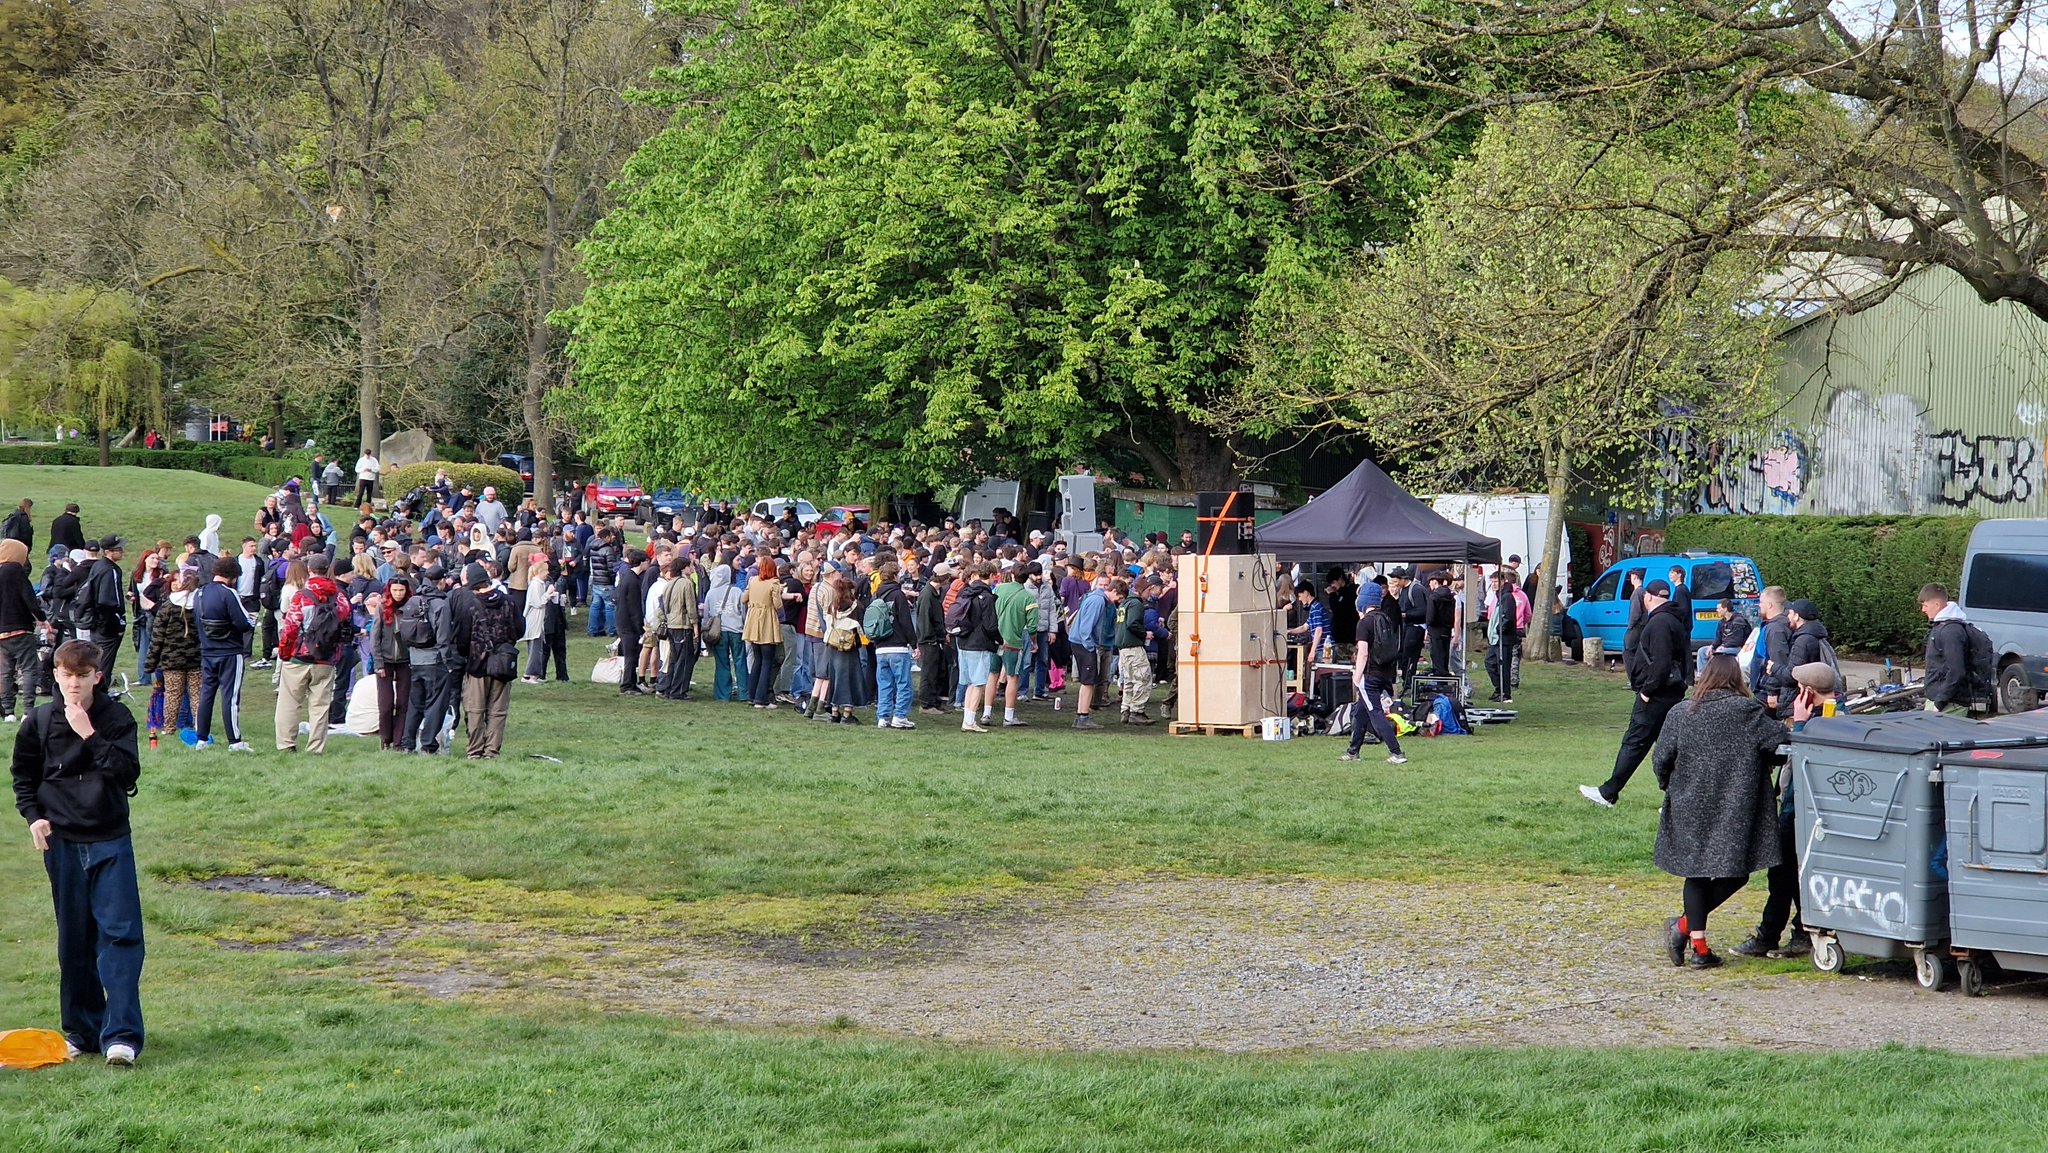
(1016,620)
(1134,663)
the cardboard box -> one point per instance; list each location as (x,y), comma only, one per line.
(1227,584)
(1230,638)
(1229,695)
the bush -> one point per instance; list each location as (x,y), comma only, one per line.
(400,481)
(1864,572)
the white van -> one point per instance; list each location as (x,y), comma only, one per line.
(2005,593)
(1517,520)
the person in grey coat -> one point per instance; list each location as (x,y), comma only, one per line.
(1719,822)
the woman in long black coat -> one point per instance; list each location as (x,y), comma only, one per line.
(1720,821)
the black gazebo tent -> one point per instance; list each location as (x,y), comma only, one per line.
(1367,517)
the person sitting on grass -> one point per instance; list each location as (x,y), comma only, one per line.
(75,766)
(1719,823)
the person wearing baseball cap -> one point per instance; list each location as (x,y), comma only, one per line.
(101,607)
(1809,636)
(1656,671)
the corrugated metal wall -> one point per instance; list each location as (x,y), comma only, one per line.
(1929,402)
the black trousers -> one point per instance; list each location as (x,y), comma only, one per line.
(1368,714)
(1782,902)
(426,711)
(1645,721)
(1702,895)
(935,675)
(629,660)
(1411,652)
(682,664)
(1439,653)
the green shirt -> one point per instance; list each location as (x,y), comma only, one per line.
(1016,613)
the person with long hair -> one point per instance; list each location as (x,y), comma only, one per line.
(174,655)
(393,658)
(763,632)
(149,583)
(1719,823)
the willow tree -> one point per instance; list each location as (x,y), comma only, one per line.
(1541,322)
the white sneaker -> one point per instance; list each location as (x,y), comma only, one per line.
(11,718)
(121,1056)
(198,745)
(71,1049)
(882,724)
(241,747)
(902,723)
(1397,759)
(1592,793)
(973,726)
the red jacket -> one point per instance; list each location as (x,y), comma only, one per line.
(318,590)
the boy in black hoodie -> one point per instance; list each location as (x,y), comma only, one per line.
(75,766)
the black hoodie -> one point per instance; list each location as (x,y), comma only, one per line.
(81,786)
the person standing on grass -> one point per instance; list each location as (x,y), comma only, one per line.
(102,603)
(486,627)
(224,630)
(174,657)
(1094,622)
(977,637)
(21,619)
(318,632)
(1375,663)
(762,631)
(393,658)
(1656,671)
(20,526)
(65,530)
(680,609)
(1016,621)
(75,766)
(892,652)
(1718,824)
(629,603)
(436,667)
(367,469)
(934,652)
(1134,663)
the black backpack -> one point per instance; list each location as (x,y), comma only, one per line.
(1980,666)
(957,623)
(1384,641)
(323,626)
(415,626)
(493,639)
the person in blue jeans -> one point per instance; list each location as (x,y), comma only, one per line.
(75,764)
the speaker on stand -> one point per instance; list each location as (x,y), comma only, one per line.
(1224,523)
(1077,514)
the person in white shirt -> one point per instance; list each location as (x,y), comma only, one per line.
(367,470)
(489,512)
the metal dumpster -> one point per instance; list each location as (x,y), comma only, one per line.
(1870,831)
(1998,860)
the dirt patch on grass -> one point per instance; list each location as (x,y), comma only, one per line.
(273,886)
(1245,965)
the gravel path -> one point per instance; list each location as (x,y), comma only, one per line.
(1249,966)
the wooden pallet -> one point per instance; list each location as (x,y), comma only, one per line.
(1192,728)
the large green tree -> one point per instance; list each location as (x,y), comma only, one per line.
(896,245)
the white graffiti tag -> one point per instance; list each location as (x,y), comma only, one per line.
(1827,893)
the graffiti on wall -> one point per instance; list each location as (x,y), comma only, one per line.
(1760,477)
(1998,469)
(1865,456)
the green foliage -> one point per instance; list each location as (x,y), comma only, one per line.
(74,356)
(400,481)
(1864,572)
(887,251)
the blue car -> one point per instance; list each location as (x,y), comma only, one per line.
(1710,578)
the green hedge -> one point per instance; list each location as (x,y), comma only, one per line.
(1864,572)
(511,490)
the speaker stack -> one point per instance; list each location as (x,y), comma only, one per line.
(1077,515)
(1230,630)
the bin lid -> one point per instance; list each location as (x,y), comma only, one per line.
(2034,758)
(1923,732)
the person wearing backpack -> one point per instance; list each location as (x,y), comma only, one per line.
(1810,640)
(224,627)
(1375,664)
(972,623)
(486,628)
(892,626)
(318,632)
(101,603)
(436,670)
(1958,664)
(19,527)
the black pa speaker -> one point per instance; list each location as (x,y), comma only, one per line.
(1224,522)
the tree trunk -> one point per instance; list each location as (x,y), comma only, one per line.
(106,446)
(1204,460)
(277,423)
(1536,646)
(370,331)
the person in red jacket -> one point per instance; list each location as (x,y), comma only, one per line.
(317,632)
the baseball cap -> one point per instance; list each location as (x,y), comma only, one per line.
(1658,588)
(1806,609)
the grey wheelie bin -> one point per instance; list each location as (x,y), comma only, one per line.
(1870,834)
(1998,860)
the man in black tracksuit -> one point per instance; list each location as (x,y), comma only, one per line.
(101,606)
(1656,671)
(224,629)
(934,653)
(629,607)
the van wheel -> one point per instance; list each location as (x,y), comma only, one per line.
(2014,694)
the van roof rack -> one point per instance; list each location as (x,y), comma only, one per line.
(1695,553)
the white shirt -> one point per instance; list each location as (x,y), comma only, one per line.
(367,467)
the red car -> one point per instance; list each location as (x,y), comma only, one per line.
(838,517)
(609,494)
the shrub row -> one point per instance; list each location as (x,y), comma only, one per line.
(511,490)
(1862,571)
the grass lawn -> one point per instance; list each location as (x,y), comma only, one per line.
(718,818)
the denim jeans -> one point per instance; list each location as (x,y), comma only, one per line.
(761,675)
(99,941)
(797,654)
(892,679)
(1039,682)
(729,667)
(601,622)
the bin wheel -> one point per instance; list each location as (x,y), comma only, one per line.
(1928,969)
(1971,976)
(1827,954)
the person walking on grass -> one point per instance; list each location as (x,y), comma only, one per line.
(1719,822)
(75,766)
(224,630)
(1656,671)
(1375,662)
